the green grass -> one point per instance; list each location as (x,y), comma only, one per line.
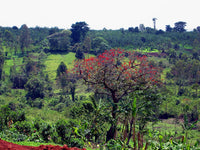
(10,62)
(163,75)
(53,61)
(147,50)
(45,114)
(26,143)
(188,46)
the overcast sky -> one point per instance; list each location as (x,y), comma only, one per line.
(111,14)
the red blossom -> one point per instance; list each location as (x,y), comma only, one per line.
(117,76)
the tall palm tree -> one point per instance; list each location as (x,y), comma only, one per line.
(154,23)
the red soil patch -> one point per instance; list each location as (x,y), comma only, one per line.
(10,146)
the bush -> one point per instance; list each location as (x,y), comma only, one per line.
(37,124)
(76,142)
(13,135)
(38,103)
(35,87)
(114,144)
(18,116)
(60,107)
(62,128)
(54,102)
(24,127)
(46,131)
(35,137)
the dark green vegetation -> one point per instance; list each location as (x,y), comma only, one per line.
(43,100)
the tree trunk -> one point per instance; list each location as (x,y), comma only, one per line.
(130,132)
(73,88)
(112,131)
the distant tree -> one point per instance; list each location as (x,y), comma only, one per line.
(64,40)
(143,39)
(60,41)
(122,30)
(9,36)
(2,59)
(18,80)
(99,45)
(198,28)
(168,28)
(136,30)
(195,87)
(53,44)
(180,26)
(79,30)
(172,56)
(72,87)
(195,55)
(30,67)
(15,27)
(62,69)
(53,30)
(131,29)
(159,32)
(79,53)
(62,77)
(35,88)
(176,47)
(196,44)
(150,30)
(154,23)
(10,40)
(25,39)
(87,44)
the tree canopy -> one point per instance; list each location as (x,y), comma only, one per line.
(79,30)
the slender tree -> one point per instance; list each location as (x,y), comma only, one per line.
(25,39)
(1,62)
(154,23)
(79,54)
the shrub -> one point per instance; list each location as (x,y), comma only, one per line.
(54,102)
(13,135)
(38,103)
(46,131)
(60,107)
(17,116)
(35,87)
(62,129)
(76,142)
(24,127)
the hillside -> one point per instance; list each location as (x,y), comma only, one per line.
(106,88)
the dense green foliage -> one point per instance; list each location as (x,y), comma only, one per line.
(43,100)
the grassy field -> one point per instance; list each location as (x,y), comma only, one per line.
(45,114)
(54,60)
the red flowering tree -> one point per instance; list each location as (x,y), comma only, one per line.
(117,73)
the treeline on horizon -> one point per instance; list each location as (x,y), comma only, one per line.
(96,41)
